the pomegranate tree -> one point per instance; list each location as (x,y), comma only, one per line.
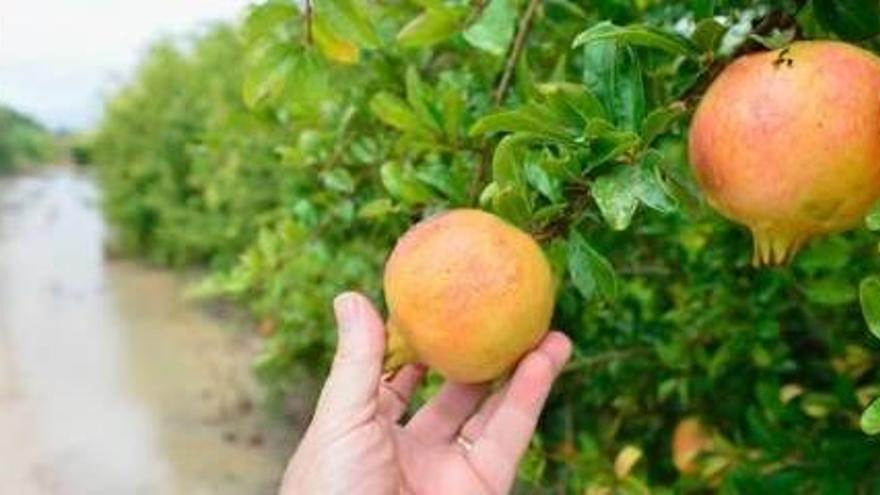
(787,142)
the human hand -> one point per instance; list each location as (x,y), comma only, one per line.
(456,444)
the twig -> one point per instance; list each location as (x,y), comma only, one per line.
(605,358)
(480,172)
(479,7)
(522,33)
(513,54)
(580,195)
(341,140)
(766,25)
(308,21)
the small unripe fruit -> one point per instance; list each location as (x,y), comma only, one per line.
(467,294)
(788,143)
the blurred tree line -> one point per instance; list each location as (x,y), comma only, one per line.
(286,154)
(23,141)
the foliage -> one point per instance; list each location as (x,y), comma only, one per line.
(289,152)
(23,141)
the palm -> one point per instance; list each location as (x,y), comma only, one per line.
(426,468)
(457,443)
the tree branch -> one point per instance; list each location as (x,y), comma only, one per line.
(605,358)
(775,20)
(516,48)
(513,53)
(307,18)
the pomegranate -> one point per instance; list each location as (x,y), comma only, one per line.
(467,294)
(787,143)
(689,440)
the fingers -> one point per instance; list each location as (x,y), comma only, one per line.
(441,419)
(395,394)
(474,427)
(508,431)
(357,366)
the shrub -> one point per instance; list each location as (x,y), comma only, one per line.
(289,152)
(23,141)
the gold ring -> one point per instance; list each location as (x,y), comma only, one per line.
(465,442)
(396,393)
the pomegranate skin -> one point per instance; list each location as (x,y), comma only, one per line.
(467,294)
(787,143)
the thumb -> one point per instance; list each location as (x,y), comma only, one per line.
(357,367)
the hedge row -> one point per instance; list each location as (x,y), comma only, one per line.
(286,153)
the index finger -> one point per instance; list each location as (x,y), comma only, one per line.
(508,432)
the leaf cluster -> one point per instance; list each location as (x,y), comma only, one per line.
(287,154)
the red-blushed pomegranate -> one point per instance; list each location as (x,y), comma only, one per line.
(467,294)
(787,143)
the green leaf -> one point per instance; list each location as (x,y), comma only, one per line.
(430,27)
(439,177)
(494,29)
(872,219)
(512,205)
(401,186)
(574,101)
(452,103)
(276,69)
(266,79)
(376,208)
(638,35)
(615,197)
(619,192)
(350,19)
(547,213)
(870,421)
(708,34)
(559,69)
(831,253)
(702,8)
(418,95)
(488,195)
(532,118)
(416,92)
(591,274)
(869,294)
(537,175)
(849,19)
(263,19)
(526,88)
(829,291)
(659,121)
(393,111)
(775,40)
(607,142)
(651,189)
(613,73)
(506,161)
(338,179)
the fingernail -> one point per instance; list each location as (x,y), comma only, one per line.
(345,308)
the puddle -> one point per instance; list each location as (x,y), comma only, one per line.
(110,382)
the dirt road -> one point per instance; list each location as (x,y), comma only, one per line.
(110,382)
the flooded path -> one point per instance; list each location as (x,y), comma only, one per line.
(111,383)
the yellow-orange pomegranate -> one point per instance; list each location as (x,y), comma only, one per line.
(689,440)
(467,294)
(787,142)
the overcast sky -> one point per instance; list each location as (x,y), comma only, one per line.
(58,57)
